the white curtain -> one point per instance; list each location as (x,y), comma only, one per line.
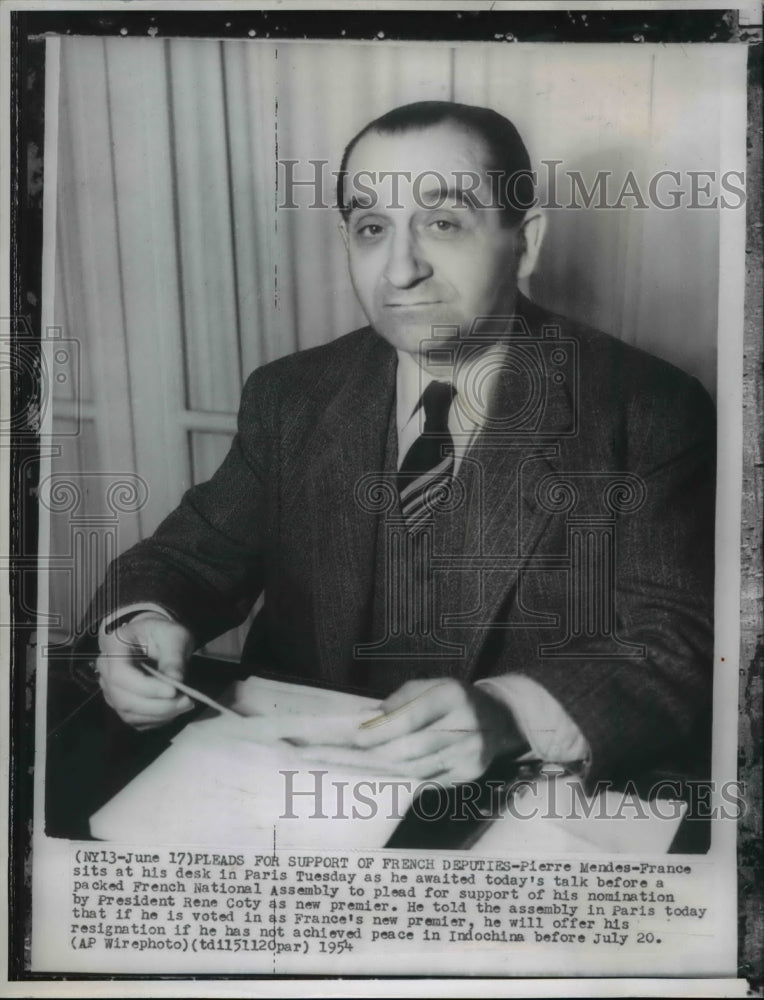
(178,274)
(648,275)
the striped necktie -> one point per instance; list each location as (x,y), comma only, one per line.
(428,465)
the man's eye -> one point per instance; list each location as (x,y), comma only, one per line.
(444,226)
(369,231)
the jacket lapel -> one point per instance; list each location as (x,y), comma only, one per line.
(503,522)
(351,441)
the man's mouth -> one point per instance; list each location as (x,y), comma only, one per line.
(411,305)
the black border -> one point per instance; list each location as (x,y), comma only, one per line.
(27,131)
(28,30)
(682,25)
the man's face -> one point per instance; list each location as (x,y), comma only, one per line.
(421,256)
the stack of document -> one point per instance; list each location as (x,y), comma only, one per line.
(250,780)
(262,778)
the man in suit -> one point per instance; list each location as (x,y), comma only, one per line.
(497,521)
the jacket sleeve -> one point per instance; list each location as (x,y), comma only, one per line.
(205,562)
(645,710)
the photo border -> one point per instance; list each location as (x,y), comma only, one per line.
(28,30)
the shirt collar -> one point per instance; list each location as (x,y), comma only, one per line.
(474,390)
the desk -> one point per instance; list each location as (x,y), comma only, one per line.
(92,755)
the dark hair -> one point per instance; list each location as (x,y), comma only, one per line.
(507,156)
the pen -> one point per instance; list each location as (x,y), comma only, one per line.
(379,719)
(191,692)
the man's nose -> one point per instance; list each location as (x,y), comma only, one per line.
(406,264)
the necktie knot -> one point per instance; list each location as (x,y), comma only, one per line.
(436,402)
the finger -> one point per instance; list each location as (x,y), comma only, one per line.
(162,644)
(167,658)
(413,746)
(122,642)
(351,758)
(452,764)
(166,645)
(139,721)
(129,641)
(167,649)
(428,707)
(312,730)
(449,741)
(412,690)
(123,701)
(151,712)
(121,673)
(135,715)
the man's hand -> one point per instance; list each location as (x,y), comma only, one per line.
(142,701)
(431,729)
(442,730)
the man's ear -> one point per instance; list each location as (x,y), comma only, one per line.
(531,236)
(342,226)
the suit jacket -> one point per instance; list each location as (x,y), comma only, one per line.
(579,551)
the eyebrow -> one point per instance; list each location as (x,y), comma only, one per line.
(362,203)
(455,193)
(442,193)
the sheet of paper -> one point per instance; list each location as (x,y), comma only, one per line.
(271,793)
